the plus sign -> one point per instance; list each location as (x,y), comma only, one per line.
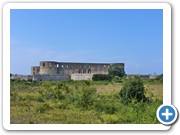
(167,114)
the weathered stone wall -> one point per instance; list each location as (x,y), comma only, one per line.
(50,67)
(50,77)
(35,70)
(81,76)
(22,77)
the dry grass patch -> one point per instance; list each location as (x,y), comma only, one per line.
(154,90)
(108,89)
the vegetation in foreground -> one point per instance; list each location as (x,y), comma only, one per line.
(86,102)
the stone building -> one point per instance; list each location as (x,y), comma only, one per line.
(56,71)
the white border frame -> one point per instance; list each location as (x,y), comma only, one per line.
(6,64)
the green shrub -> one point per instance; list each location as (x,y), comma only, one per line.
(86,97)
(55,90)
(53,94)
(108,104)
(101,77)
(105,107)
(133,88)
(117,79)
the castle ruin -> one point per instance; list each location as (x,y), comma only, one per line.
(57,71)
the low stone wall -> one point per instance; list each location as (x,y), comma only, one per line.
(51,77)
(22,77)
(81,76)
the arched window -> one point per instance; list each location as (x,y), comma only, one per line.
(84,71)
(89,71)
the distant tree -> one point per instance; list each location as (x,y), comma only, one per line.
(115,70)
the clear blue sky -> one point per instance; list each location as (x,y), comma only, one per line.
(133,37)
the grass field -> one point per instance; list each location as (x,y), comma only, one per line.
(75,102)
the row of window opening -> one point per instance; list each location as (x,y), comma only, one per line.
(67,66)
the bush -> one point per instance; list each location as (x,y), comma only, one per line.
(117,79)
(133,89)
(58,91)
(86,97)
(101,77)
(105,107)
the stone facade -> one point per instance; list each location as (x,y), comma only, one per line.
(56,71)
(81,76)
(22,77)
(43,78)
